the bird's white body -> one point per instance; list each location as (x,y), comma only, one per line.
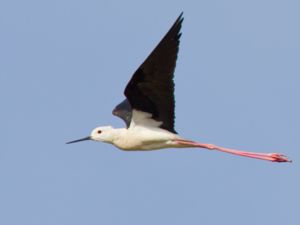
(143,134)
(137,138)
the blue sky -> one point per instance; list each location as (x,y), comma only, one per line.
(63,67)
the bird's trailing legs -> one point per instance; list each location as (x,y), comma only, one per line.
(274,157)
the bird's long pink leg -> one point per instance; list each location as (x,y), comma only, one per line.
(274,157)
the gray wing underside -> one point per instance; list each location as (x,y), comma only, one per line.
(124,111)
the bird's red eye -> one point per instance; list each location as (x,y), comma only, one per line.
(99,131)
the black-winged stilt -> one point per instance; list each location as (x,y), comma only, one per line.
(148,109)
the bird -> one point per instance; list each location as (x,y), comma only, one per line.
(148,109)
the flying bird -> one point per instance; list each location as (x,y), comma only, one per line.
(148,109)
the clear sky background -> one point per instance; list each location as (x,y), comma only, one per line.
(64,65)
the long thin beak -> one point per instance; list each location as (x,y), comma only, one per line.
(82,139)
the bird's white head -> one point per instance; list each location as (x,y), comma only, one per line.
(104,134)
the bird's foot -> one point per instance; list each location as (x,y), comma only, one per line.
(276,157)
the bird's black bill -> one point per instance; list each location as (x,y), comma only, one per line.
(82,139)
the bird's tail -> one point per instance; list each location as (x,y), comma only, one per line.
(273,157)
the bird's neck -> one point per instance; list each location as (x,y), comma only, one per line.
(117,134)
(119,137)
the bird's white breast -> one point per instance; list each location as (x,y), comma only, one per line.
(144,138)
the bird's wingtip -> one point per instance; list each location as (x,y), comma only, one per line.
(180,17)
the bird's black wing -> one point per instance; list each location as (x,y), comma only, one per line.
(151,88)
